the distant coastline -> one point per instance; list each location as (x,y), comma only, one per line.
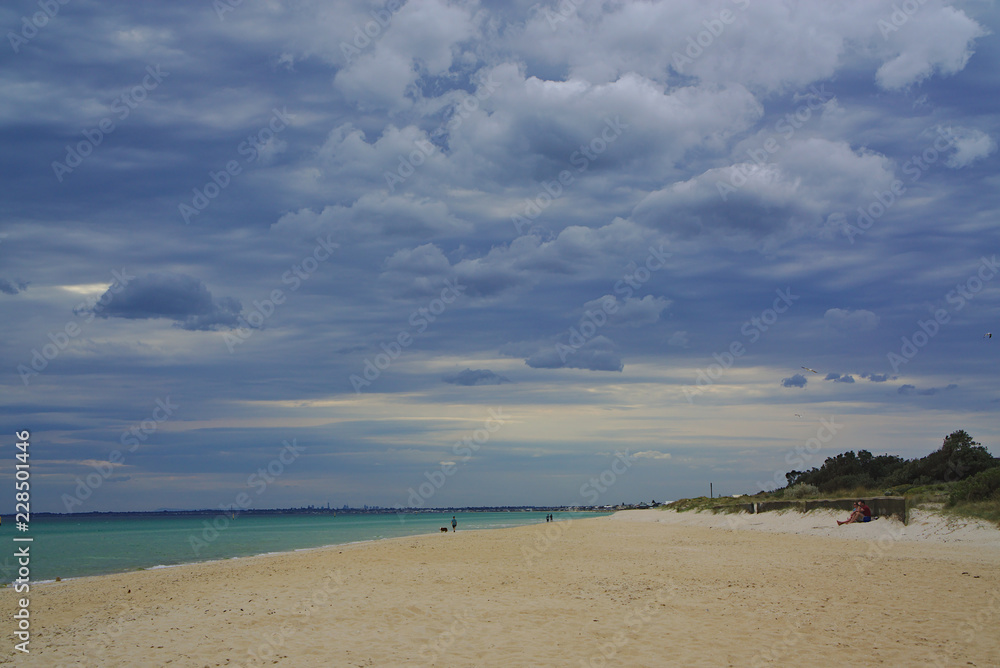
(372,510)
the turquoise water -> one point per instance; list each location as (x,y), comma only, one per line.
(75,546)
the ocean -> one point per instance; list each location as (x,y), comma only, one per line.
(71,546)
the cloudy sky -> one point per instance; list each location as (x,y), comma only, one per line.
(463,253)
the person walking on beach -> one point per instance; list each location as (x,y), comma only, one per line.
(454,523)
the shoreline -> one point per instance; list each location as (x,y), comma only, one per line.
(160,567)
(82,552)
(730,521)
(279,553)
(623,589)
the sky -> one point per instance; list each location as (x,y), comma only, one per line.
(432,253)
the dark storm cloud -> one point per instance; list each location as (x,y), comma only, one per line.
(798,380)
(844,320)
(596,354)
(12,287)
(909,389)
(476,377)
(178,297)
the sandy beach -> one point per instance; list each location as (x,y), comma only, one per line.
(640,588)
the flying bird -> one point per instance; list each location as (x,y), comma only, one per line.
(808,369)
(988,335)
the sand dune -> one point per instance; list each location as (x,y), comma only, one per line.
(643,588)
(923,526)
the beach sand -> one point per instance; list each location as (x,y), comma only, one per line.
(640,588)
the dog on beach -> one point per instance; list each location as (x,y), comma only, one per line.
(445,529)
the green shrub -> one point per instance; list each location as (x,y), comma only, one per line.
(958,458)
(801,491)
(983,486)
(848,482)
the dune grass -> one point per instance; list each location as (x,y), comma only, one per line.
(714,504)
(983,510)
(933,498)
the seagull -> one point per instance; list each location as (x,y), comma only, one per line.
(808,369)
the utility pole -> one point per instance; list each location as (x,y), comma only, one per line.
(710,494)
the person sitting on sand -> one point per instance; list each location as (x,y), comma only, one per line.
(862,513)
(852,518)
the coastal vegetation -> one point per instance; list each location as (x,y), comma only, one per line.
(960,478)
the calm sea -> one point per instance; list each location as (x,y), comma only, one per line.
(74,546)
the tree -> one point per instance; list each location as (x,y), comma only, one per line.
(958,458)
